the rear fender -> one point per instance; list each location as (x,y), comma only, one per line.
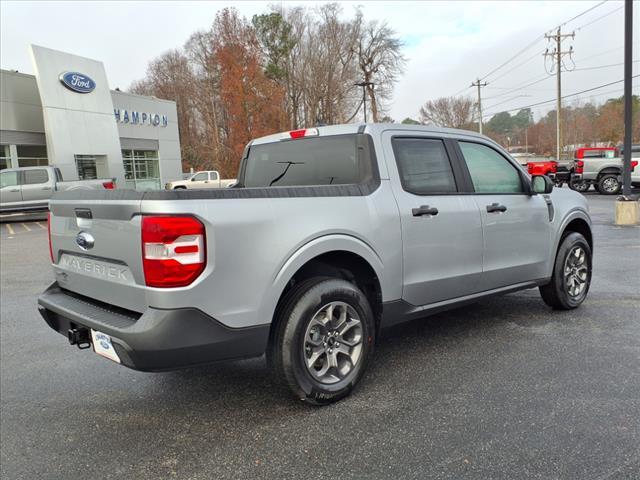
(309,251)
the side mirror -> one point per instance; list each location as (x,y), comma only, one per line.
(541,184)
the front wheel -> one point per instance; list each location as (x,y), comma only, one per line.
(324,338)
(571,276)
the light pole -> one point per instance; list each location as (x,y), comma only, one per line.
(364,86)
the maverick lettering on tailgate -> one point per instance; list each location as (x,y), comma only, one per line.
(95,268)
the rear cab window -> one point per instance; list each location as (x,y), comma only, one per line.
(312,161)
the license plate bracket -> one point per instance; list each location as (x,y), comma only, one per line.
(103,346)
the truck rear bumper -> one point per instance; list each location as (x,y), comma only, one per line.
(157,339)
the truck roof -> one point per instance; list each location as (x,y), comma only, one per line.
(373,128)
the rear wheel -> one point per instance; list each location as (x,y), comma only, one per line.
(609,185)
(571,276)
(579,185)
(324,338)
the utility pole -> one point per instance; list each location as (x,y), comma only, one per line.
(628,66)
(364,86)
(479,84)
(556,56)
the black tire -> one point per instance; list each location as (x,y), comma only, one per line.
(289,350)
(609,184)
(179,188)
(579,186)
(556,293)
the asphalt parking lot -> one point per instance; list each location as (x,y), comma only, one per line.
(505,388)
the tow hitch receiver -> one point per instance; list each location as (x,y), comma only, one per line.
(80,337)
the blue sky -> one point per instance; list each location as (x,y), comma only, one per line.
(448,44)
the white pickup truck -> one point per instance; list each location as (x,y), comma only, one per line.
(29,188)
(204,179)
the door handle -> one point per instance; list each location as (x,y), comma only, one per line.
(14,191)
(46,188)
(424,210)
(496,207)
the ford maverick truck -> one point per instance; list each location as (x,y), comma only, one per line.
(329,235)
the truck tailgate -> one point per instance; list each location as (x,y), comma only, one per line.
(96,245)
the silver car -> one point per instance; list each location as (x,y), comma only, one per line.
(330,235)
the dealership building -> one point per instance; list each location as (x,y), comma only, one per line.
(66,115)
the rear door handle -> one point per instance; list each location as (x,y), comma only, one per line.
(424,210)
(14,191)
(46,188)
(496,207)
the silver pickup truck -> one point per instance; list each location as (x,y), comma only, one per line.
(29,188)
(604,173)
(330,235)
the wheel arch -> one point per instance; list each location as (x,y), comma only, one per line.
(339,256)
(609,171)
(576,222)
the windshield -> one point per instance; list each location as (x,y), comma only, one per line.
(331,160)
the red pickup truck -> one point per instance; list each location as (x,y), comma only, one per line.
(549,168)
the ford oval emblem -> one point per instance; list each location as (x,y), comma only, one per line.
(77,82)
(85,240)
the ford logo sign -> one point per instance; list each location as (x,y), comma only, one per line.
(77,82)
(85,240)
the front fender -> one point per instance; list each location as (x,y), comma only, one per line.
(309,251)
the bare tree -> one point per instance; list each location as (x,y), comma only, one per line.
(454,112)
(380,60)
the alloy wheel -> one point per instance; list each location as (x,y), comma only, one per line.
(576,272)
(333,343)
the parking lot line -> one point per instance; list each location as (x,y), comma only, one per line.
(41,226)
(10,228)
(26,227)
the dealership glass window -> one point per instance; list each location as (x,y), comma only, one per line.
(32,155)
(141,169)
(5,157)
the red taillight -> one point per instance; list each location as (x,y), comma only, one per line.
(297,133)
(173,250)
(303,132)
(109,185)
(49,235)
(579,166)
(634,164)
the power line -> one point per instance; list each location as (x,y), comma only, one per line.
(600,18)
(602,66)
(566,96)
(537,39)
(599,54)
(520,87)
(580,14)
(528,46)
(518,66)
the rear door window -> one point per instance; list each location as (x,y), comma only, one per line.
(331,160)
(424,165)
(34,177)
